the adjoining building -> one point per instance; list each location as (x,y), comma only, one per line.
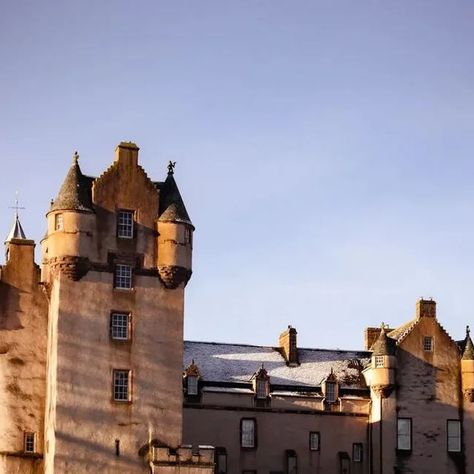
(95,375)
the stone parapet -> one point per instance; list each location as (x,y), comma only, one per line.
(184,458)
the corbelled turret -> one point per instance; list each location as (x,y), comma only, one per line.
(467,368)
(175,231)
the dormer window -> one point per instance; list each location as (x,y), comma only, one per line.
(330,388)
(191,379)
(330,392)
(58,222)
(125,224)
(261,384)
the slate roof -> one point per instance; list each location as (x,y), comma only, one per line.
(237,363)
(172,208)
(16,231)
(76,192)
(384,345)
(468,353)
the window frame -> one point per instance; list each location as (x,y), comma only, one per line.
(379,362)
(221,452)
(459,437)
(125,230)
(118,278)
(59,222)
(359,449)
(128,398)
(314,434)
(291,456)
(254,436)
(261,389)
(128,326)
(194,385)
(332,392)
(410,434)
(29,437)
(430,340)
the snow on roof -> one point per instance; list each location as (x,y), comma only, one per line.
(237,363)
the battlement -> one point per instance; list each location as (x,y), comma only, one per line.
(184,456)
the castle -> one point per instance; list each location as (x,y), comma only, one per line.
(95,375)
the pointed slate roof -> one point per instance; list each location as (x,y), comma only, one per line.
(16,232)
(468,353)
(75,193)
(384,345)
(172,208)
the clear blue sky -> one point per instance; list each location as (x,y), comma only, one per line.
(324,148)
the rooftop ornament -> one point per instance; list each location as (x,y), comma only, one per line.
(171,166)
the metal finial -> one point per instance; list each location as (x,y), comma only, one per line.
(75,157)
(171,166)
(468,330)
(16,206)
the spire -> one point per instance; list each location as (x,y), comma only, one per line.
(16,232)
(468,353)
(75,193)
(383,345)
(172,206)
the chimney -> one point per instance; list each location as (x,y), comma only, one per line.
(288,346)
(425,308)
(127,153)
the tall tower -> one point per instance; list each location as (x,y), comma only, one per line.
(116,260)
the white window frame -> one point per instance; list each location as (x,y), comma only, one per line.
(379,362)
(125,224)
(404,433)
(330,392)
(357,452)
(248,427)
(453,435)
(59,222)
(123,276)
(314,441)
(121,387)
(428,343)
(29,442)
(192,384)
(120,326)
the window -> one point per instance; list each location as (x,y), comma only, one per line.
(357,450)
(247,433)
(379,361)
(29,442)
(262,391)
(330,392)
(314,441)
(221,461)
(123,277)
(291,462)
(188,236)
(58,222)
(192,383)
(122,385)
(404,434)
(428,344)
(454,436)
(120,326)
(125,224)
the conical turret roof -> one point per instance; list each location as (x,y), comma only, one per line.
(383,345)
(468,353)
(172,208)
(75,193)
(16,232)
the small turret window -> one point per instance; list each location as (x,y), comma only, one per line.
(58,222)
(29,442)
(125,224)
(379,361)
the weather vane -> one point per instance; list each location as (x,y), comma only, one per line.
(16,206)
(171,166)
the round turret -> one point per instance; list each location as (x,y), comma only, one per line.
(175,235)
(467,368)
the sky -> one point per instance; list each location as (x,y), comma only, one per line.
(324,149)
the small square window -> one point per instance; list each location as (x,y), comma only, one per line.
(29,442)
(454,436)
(58,222)
(314,441)
(357,452)
(122,385)
(247,433)
(379,361)
(428,344)
(125,224)
(120,326)
(123,277)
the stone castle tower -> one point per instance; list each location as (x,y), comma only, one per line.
(91,343)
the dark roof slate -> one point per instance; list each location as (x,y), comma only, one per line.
(76,192)
(468,353)
(384,345)
(16,232)
(172,208)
